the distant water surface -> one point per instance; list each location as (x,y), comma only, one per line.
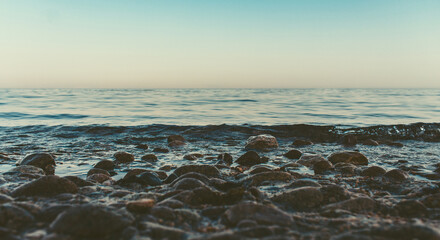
(129,107)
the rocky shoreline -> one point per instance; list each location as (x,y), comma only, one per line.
(235,186)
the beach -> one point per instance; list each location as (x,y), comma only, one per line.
(220,182)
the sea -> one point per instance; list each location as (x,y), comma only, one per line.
(198,107)
(80,127)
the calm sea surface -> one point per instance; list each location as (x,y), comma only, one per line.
(128,107)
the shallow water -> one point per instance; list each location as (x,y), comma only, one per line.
(132,107)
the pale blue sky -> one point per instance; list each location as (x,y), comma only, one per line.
(222,43)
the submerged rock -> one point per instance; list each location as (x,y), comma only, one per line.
(293,154)
(44,161)
(262,142)
(300,143)
(355,158)
(149,158)
(225,158)
(322,166)
(46,186)
(250,159)
(176,140)
(91,221)
(123,157)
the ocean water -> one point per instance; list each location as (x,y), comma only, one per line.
(198,107)
(83,126)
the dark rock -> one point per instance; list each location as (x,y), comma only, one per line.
(140,206)
(405,231)
(396,175)
(5,198)
(258,179)
(262,142)
(205,169)
(373,171)
(370,142)
(250,158)
(98,178)
(188,184)
(193,175)
(91,221)
(310,160)
(322,166)
(123,157)
(259,169)
(355,158)
(293,154)
(157,231)
(44,161)
(192,156)
(300,142)
(97,170)
(411,208)
(257,212)
(171,203)
(334,193)
(149,158)
(142,146)
(432,201)
(106,165)
(26,170)
(46,186)
(173,138)
(163,213)
(356,205)
(225,157)
(14,217)
(213,212)
(161,150)
(49,214)
(300,198)
(149,179)
(345,168)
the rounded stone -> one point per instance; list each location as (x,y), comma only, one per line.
(106,165)
(250,159)
(46,186)
(123,157)
(262,142)
(293,154)
(355,158)
(91,221)
(373,171)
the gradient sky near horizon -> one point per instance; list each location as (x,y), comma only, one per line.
(219,43)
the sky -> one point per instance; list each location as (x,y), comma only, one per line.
(219,43)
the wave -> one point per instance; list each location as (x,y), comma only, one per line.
(429,132)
